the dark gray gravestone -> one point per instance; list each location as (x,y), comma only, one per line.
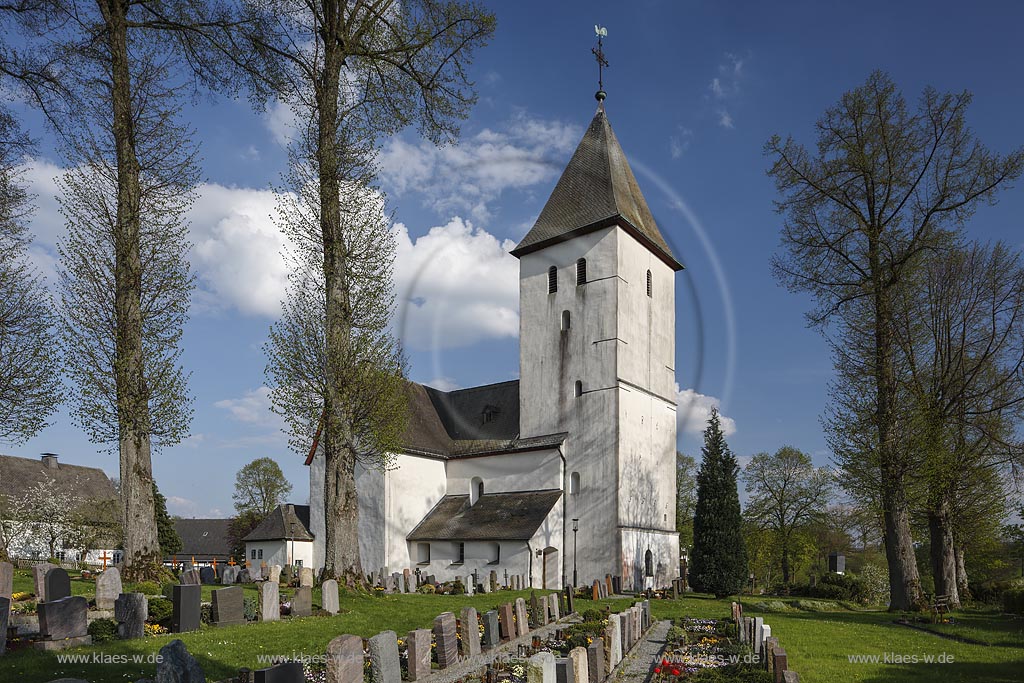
(64,618)
(431,579)
(617,584)
(564,672)
(384,665)
(570,599)
(207,575)
(418,642)
(5,614)
(446,640)
(56,585)
(536,618)
(177,665)
(595,660)
(837,563)
(190,577)
(492,634)
(508,628)
(6,579)
(561,604)
(228,606)
(289,672)
(302,602)
(186,608)
(131,611)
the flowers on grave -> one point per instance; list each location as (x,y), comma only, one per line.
(20,595)
(154,629)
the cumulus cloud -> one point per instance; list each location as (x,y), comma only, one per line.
(253,407)
(186,507)
(694,409)
(455,286)
(466,177)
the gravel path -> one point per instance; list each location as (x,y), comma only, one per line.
(638,665)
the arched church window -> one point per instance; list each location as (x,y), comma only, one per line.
(565,321)
(552,280)
(649,283)
(476,489)
(577,390)
(494,553)
(574,483)
(648,563)
(581,272)
(423,553)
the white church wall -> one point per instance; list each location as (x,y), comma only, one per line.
(372,501)
(513,558)
(413,488)
(664,547)
(530,471)
(549,542)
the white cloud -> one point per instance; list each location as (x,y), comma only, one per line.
(253,407)
(716,88)
(726,86)
(443,384)
(694,410)
(725,119)
(280,120)
(466,177)
(679,142)
(188,508)
(455,286)
(237,250)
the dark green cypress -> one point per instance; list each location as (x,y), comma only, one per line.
(718,563)
(170,541)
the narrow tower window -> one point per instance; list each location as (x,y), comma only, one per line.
(649,285)
(476,489)
(574,483)
(581,272)
(565,321)
(648,563)
(577,390)
(552,280)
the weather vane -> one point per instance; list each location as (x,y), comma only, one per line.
(598,51)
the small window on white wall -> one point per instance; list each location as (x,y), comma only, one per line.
(476,489)
(577,390)
(565,321)
(423,553)
(552,280)
(574,483)
(650,285)
(493,553)
(581,272)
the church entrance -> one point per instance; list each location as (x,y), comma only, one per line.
(551,570)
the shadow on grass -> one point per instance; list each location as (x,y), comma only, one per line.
(1001,672)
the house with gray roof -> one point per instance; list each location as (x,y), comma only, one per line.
(203,541)
(567,473)
(283,538)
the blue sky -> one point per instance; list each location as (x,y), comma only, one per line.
(694,91)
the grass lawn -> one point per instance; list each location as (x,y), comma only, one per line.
(818,643)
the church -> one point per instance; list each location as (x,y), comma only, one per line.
(567,474)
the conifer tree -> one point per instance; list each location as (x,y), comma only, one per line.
(719,561)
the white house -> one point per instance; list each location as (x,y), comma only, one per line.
(282,538)
(496,476)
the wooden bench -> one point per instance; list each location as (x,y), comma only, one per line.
(939,606)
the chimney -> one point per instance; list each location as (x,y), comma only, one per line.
(50,461)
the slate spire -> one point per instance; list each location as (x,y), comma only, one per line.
(597,189)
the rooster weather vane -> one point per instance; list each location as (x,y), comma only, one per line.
(598,51)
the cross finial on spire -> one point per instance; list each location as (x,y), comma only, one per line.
(598,51)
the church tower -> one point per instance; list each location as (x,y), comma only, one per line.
(597,361)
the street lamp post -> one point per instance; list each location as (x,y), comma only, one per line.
(575,528)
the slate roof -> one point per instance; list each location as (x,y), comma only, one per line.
(18,474)
(512,516)
(287,521)
(206,538)
(597,189)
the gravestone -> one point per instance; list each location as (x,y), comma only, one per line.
(5,615)
(108,587)
(56,584)
(6,580)
(207,575)
(758,634)
(270,601)
(553,607)
(508,627)
(306,577)
(287,672)
(617,585)
(469,628)
(186,608)
(407,581)
(302,602)
(190,577)
(561,603)
(384,665)
(431,579)
(492,633)
(446,640)
(609,588)
(245,575)
(39,580)
(329,596)
(131,611)
(399,581)
(613,642)
(64,623)
(779,663)
(535,612)
(390,585)
(228,606)
(570,600)
(229,577)
(470,587)
(274,576)
(176,665)
(627,638)
(418,643)
(494,581)
(595,593)
(564,670)
(345,659)
(595,661)
(541,668)
(522,620)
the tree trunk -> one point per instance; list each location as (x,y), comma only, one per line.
(341,545)
(942,554)
(963,591)
(142,550)
(904,581)
(785,560)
